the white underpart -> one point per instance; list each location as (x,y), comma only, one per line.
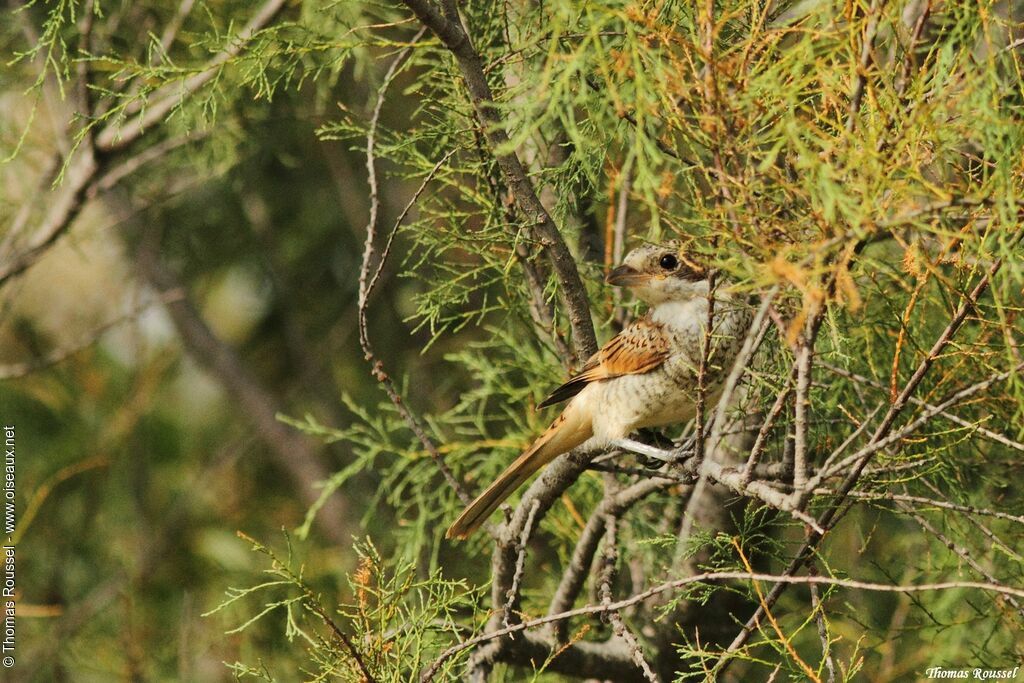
(682,316)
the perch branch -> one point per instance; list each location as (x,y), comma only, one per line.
(779,579)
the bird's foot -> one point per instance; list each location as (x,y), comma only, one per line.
(643,449)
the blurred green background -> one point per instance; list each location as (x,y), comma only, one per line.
(137,461)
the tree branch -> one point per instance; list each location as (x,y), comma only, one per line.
(368,280)
(573,292)
(708,577)
(86,165)
(575,574)
(611,559)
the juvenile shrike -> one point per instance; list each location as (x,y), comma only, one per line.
(645,376)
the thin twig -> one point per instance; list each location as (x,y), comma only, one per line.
(819,618)
(961,552)
(856,460)
(733,478)
(401,218)
(540,308)
(712,443)
(848,441)
(754,336)
(313,603)
(952,417)
(811,674)
(368,281)
(762,435)
(930,502)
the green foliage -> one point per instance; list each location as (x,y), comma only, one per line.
(755,151)
(396,621)
(881,188)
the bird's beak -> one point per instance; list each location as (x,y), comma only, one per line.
(626,276)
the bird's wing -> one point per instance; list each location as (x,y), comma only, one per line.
(639,348)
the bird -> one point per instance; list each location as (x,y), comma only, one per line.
(645,376)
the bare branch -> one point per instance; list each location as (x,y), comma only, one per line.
(611,558)
(804,355)
(577,571)
(512,595)
(794,655)
(63,211)
(607,660)
(762,435)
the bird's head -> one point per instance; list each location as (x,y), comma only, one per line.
(659,273)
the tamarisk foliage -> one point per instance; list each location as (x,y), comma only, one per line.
(853,170)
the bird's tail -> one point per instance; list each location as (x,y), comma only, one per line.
(564,434)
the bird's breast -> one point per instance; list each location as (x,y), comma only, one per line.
(624,404)
(668,394)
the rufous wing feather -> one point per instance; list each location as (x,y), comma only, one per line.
(639,348)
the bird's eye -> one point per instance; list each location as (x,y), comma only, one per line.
(669,262)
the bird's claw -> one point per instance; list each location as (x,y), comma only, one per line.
(642,449)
